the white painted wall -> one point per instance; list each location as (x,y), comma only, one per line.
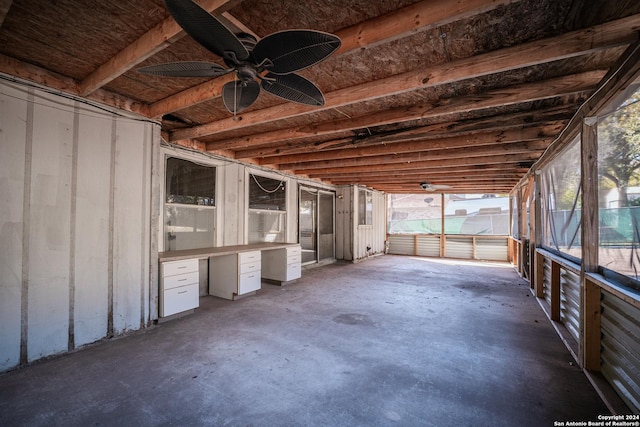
(81,202)
(75,221)
(352,239)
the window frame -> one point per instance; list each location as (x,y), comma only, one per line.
(166,154)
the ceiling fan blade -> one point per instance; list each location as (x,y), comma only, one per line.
(293,87)
(294,50)
(238,95)
(206,29)
(185,69)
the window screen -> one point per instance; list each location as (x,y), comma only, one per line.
(267,193)
(561,197)
(189,183)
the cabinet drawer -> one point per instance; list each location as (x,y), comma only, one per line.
(293,259)
(244,257)
(179,299)
(294,250)
(250,267)
(249,282)
(294,271)
(172,268)
(181,280)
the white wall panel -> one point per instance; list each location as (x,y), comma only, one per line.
(75,194)
(130,234)
(233,204)
(92,229)
(13,117)
(49,239)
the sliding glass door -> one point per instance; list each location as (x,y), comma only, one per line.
(316,225)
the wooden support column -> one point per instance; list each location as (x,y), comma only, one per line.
(539,275)
(443,239)
(555,291)
(590,297)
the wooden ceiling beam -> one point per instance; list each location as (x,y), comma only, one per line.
(471,141)
(435,155)
(421,16)
(557,114)
(457,190)
(494,98)
(575,43)
(444,171)
(66,84)
(457,176)
(428,164)
(153,41)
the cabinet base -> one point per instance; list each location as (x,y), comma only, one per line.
(278,282)
(175,316)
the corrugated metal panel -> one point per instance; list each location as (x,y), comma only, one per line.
(570,302)
(401,244)
(620,326)
(459,247)
(428,246)
(491,249)
(547,280)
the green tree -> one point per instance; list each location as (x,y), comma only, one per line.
(619,147)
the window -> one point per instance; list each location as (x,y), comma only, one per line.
(561,202)
(267,209)
(365,207)
(189,214)
(515,219)
(473,214)
(619,187)
(415,214)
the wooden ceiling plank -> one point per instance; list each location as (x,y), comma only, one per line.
(471,141)
(572,44)
(394,25)
(494,98)
(435,155)
(153,41)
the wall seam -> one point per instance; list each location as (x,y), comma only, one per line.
(72,226)
(26,225)
(112,179)
(143,238)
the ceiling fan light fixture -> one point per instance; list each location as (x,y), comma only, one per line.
(281,54)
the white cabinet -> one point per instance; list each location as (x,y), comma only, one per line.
(282,264)
(179,286)
(234,274)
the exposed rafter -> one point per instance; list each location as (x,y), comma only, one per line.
(417,17)
(576,43)
(153,41)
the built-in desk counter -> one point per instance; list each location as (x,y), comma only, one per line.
(234,270)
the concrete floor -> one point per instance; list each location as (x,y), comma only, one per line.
(389,341)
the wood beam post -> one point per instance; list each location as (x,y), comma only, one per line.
(539,275)
(590,292)
(555,291)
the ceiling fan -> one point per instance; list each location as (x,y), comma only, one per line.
(427,186)
(273,60)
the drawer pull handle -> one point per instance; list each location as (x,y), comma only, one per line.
(182,292)
(250,277)
(184,266)
(182,280)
